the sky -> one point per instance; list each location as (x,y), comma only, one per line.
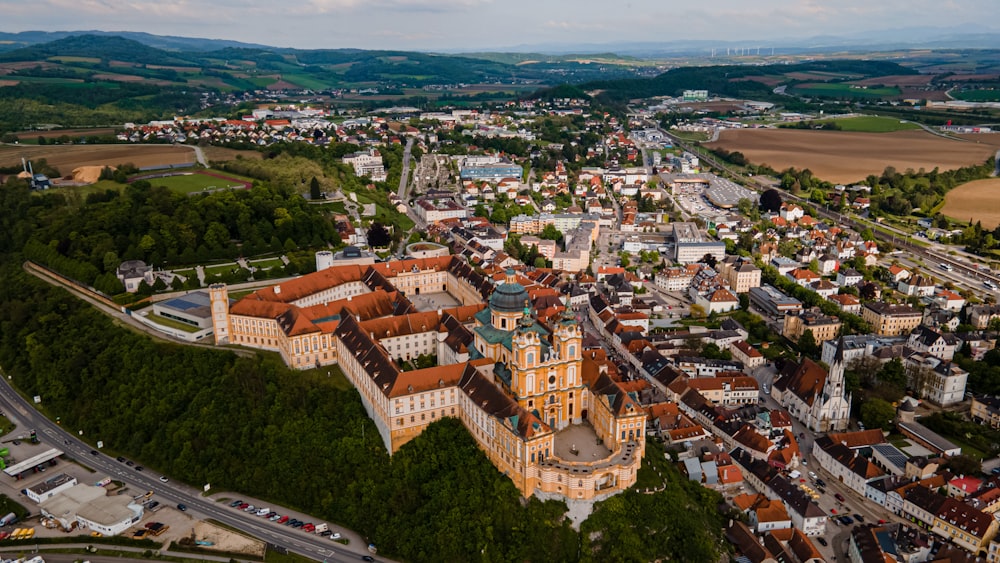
(473,25)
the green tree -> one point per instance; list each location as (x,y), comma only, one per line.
(807,344)
(877,413)
(314,191)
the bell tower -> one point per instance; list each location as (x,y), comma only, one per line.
(219,295)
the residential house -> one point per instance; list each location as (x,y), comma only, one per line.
(891,320)
(849,277)
(823,327)
(918,285)
(750,356)
(984,410)
(929,341)
(846,302)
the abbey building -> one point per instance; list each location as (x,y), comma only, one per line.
(550,415)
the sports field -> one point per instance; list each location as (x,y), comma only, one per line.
(199,181)
(845,156)
(976,201)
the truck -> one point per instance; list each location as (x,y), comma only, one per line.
(10,518)
(321,527)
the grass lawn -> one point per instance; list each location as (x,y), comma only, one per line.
(872,124)
(328,375)
(186,273)
(190,183)
(218,270)
(172,323)
(267,263)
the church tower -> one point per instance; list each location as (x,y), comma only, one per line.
(836,400)
(219,295)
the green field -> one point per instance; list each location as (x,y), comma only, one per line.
(309,82)
(267,263)
(872,124)
(978,95)
(190,183)
(221,269)
(841,90)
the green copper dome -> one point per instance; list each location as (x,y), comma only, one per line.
(510,296)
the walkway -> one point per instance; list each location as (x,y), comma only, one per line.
(29,548)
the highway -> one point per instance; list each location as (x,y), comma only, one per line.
(310,545)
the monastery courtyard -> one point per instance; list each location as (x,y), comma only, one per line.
(579,443)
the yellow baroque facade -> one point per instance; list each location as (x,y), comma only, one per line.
(549,415)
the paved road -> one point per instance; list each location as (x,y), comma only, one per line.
(309,545)
(200,156)
(404,178)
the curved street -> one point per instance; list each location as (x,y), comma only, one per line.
(310,545)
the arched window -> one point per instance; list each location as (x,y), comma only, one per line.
(571,351)
(503,323)
(571,375)
(530,359)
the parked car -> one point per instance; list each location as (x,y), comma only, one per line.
(152,504)
(335,536)
(250,508)
(859,518)
(120,459)
(276,517)
(243,506)
(822,541)
(325,533)
(182,507)
(138,468)
(163,479)
(812,475)
(271,514)
(846,520)
(130,463)
(282,520)
(839,497)
(821,482)
(235,503)
(308,528)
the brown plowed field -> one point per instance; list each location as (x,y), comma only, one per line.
(68,157)
(979,201)
(844,157)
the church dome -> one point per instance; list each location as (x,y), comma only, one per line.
(510,296)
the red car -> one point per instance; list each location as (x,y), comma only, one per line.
(244,506)
(282,520)
(309,528)
(839,497)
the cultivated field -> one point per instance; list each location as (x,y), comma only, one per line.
(844,157)
(71,133)
(67,157)
(978,201)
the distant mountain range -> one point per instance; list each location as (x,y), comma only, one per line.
(972,36)
(10,41)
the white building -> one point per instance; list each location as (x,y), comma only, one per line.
(91,508)
(367,163)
